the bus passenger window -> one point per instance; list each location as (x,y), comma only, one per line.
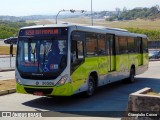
(80,50)
(123,45)
(131,45)
(101,45)
(145,45)
(91,45)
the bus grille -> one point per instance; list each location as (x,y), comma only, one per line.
(45,91)
(45,77)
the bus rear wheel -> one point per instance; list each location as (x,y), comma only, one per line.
(91,87)
(132,75)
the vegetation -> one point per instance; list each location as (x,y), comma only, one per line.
(141,13)
(5,50)
(153,93)
(10,29)
(152,34)
(148,27)
(139,20)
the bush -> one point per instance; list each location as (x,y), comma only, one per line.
(10,29)
(152,34)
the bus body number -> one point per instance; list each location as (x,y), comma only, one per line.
(48,83)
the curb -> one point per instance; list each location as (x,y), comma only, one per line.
(6,56)
(151,60)
(5,70)
(5,92)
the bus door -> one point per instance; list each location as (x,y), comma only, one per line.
(140,51)
(111,52)
(77,49)
(77,58)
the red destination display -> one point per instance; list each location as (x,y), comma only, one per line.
(41,32)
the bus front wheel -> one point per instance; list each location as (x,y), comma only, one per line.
(91,87)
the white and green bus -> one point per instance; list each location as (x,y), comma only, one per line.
(62,60)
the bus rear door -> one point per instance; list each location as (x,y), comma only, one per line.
(140,51)
(111,57)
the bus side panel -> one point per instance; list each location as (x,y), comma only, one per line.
(103,65)
(78,78)
(113,63)
(141,69)
(122,66)
(122,63)
(140,59)
(145,59)
(80,75)
(133,60)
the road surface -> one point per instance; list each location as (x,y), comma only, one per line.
(113,97)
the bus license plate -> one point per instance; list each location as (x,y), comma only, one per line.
(38,93)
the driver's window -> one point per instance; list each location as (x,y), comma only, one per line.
(77,49)
(73,51)
(80,50)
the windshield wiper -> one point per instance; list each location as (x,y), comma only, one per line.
(44,56)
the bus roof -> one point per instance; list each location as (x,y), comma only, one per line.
(46,26)
(98,29)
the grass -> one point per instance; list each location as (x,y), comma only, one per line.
(153,93)
(139,23)
(7,84)
(5,50)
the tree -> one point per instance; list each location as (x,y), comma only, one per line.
(124,9)
(118,12)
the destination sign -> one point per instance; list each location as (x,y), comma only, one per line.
(41,32)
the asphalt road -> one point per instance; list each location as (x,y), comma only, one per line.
(113,97)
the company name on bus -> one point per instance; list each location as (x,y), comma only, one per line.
(41,32)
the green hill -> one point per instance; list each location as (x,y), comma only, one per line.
(9,29)
(137,13)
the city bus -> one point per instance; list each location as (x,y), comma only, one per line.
(63,60)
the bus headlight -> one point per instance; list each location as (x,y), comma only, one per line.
(62,81)
(18,81)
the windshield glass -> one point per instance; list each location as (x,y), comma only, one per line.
(41,55)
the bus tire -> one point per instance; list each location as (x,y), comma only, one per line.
(131,78)
(91,87)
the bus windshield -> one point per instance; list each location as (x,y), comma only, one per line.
(41,55)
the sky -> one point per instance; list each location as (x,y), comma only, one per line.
(51,7)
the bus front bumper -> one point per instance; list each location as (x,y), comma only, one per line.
(63,90)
